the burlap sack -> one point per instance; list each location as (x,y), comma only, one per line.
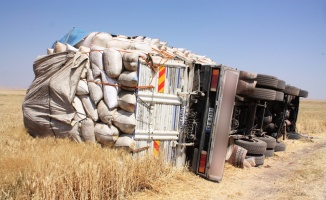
(87,130)
(128,80)
(110,92)
(112,61)
(80,112)
(106,135)
(106,115)
(125,121)
(82,88)
(125,141)
(89,107)
(101,39)
(127,101)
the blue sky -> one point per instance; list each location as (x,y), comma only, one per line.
(284,38)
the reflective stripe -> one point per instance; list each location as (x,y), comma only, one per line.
(161,79)
(156,149)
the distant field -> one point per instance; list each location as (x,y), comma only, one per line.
(60,169)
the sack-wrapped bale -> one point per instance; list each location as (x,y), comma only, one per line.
(84,50)
(101,39)
(127,101)
(71,48)
(110,91)
(142,47)
(80,112)
(106,135)
(128,80)
(90,107)
(120,43)
(112,61)
(95,90)
(87,130)
(130,60)
(50,51)
(106,115)
(96,59)
(87,41)
(82,88)
(125,141)
(125,121)
(59,47)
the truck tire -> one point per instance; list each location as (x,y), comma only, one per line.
(266,81)
(291,90)
(270,141)
(246,87)
(280,146)
(263,94)
(279,96)
(253,146)
(280,85)
(247,75)
(303,93)
(269,153)
(259,159)
(293,136)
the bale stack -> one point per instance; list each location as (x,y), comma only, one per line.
(103,96)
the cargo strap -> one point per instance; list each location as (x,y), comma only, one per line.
(139,149)
(122,86)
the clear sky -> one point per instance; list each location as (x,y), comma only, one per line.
(284,38)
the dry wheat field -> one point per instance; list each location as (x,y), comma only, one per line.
(49,168)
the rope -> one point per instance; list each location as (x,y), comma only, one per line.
(148,60)
(123,86)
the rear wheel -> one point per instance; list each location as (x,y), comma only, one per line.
(266,81)
(303,93)
(263,94)
(253,146)
(270,141)
(291,90)
(269,153)
(280,85)
(293,136)
(280,146)
(259,159)
(279,96)
(247,75)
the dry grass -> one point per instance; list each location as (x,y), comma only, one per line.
(312,117)
(60,169)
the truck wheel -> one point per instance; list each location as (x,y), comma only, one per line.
(263,94)
(293,136)
(247,75)
(303,93)
(270,141)
(246,87)
(253,146)
(280,146)
(266,81)
(269,153)
(291,90)
(259,159)
(279,96)
(280,85)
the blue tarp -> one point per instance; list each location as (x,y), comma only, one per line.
(74,36)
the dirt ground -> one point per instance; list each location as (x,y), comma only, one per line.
(297,173)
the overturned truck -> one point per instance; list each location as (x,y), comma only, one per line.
(142,95)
